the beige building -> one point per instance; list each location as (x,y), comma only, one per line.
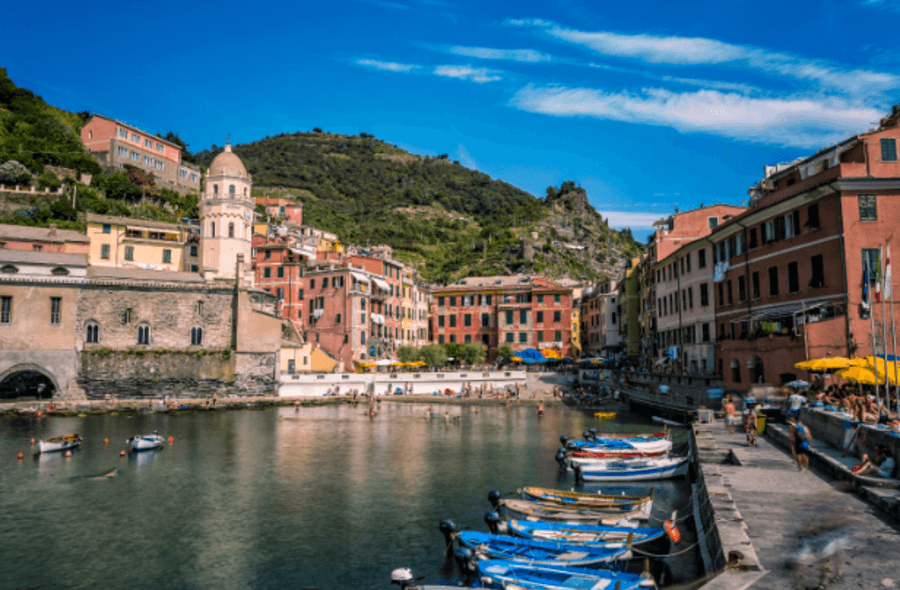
(124,242)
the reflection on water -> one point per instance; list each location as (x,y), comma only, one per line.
(277,498)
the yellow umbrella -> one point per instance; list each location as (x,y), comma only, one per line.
(824,364)
(860,362)
(888,368)
(864,375)
(516,359)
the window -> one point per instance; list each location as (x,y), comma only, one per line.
(557,336)
(196,336)
(540,335)
(440,321)
(193,250)
(212,229)
(705,331)
(769,231)
(539,317)
(888,150)
(160,148)
(690,293)
(509,337)
(267,272)
(467,320)
(122,151)
(107,228)
(280,293)
(704,294)
(485,320)
(123,133)
(487,299)
(868,210)
(556,299)
(135,138)
(557,316)
(230,189)
(5,309)
(773,281)
(468,339)
(92,333)
(735,371)
(754,280)
(817,263)
(231,229)
(509,317)
(55,305)
(129,252)
(872,258)
(701,258)
(167,256)
(523,316)
(812,216)
(362,337)
(687,258)
(452,301)
(728,289)
(793,278)
(721,294)
(104,251)
(453,321)
(742,289)
(441,339)
(362,303)
(143,334)
(135,156)
(148,161)
(713,222)
(280,273)
(540,298)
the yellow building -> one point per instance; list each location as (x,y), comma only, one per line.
(137,243)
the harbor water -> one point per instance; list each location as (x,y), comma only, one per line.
(316,497)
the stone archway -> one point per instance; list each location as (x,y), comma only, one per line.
(27,380)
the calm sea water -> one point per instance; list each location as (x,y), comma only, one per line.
(321,497)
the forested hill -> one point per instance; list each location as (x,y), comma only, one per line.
(445,218)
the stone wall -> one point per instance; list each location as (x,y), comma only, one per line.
(156,374)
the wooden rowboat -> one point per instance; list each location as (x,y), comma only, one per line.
(584,534)
(59,443)
(581,499)
(547,511)
(616,454)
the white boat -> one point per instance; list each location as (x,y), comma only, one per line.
(59,443)
(634,470)
(615,446)
(145,442)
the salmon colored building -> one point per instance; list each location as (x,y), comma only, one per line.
(43,239)
(789,271)
(521,311)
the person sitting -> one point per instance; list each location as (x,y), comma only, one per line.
(881,465)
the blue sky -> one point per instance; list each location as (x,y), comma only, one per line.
(647,105)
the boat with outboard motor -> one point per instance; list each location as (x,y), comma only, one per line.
(547,511)
(581,499)
(582,534)
(145,442)
(542,552)
(58,443)
(506,575)
(631,470)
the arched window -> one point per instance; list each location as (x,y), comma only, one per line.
(230,189)
(92,333)
(9,269)
(196,335)
(245,191)
(215,189)
(59,271)
(212,229)
(231,229)
(143,334)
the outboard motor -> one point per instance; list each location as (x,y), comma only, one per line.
(561,458)
(494,498)
(564,440)
(588,435)
(579,478)
(495,523)
(448,529)
(402,577)
(468,565)
(572,446)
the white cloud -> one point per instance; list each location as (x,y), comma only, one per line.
(523,55)
(386,65)
(796,122)
(891,5)
(712,84)
(479,75)
(619,219)
(528,22)
(667,50)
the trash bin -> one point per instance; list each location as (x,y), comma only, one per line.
(761,423)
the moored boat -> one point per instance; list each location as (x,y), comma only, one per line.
(613,445)
(581,499)
(145,442)
(546,511)
(59,443)
(504,575)
(584,534)
(616,454)
(634,470)
(541,552)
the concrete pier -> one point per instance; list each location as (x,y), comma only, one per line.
(767,510)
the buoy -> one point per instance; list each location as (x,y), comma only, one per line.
(32,441)
(106,441)
(68,453)
(21,456)
(171,439)
(672,531)
(122,453)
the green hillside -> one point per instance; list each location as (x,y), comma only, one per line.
(447,219)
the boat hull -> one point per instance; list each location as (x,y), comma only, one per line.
(59,443)
(145,443)
(540,552)
(584,534)
(580,499)
(503,574)
(545,511)
(622,471)
(610,445)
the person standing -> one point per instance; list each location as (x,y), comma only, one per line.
(750,426)
(801,439)
(730,415)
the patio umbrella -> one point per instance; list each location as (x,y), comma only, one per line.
(797,384)
(825,364)
(862,375)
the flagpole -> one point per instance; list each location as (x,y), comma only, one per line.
(872,323)
(887,382)
(889,293)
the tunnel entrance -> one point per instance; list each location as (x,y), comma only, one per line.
(26,383)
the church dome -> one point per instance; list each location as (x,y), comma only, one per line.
(227,164)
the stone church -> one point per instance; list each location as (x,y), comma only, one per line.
(70,329)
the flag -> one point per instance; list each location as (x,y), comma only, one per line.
(865,292)
(877,292)
(887,271)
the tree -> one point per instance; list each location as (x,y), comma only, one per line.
(505,351)
(317,130)
(12,172)
(472,353)
(434,355)
(408,354)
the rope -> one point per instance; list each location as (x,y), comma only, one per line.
(648,554)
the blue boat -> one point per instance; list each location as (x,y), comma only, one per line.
(607,444)
(536,552)
(650,469)
(502,575)
(585,534)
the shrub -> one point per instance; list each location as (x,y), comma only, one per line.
(12,173)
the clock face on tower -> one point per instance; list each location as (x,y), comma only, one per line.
(248,216)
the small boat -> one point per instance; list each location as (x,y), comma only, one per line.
(616,454)
(584,534)
(59,443)
(541,552)
(505,575)
(666,421)
(581,499)
(610,445)
(546,511)
(633,470)
(145,442)
(625,435)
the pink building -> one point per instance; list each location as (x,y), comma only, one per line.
(291,211)
(43,239)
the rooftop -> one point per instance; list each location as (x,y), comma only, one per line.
(111,220)
(41,234)
(140,274)
(42,258)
